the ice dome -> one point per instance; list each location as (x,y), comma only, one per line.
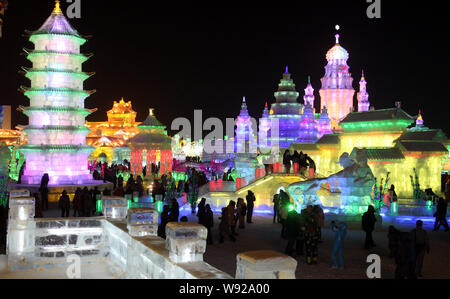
(337,52)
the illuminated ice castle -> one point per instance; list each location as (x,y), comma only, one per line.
(337,90)
(56,132)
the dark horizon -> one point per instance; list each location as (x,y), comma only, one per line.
(208,58)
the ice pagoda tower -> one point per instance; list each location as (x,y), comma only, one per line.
(245,137)
(287,111)
(308,126)
(337,91)
(264,129)
(56,131)
(324,124)
(363,96)
(309,94)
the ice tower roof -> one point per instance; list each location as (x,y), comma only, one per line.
(57,24)
(337,52)
(151,121)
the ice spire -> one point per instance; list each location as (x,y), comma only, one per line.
(57,10)
(309,94)
(419,121)
(363,96)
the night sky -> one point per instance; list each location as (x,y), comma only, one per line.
(180,57)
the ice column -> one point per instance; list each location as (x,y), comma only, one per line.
(21,228)
(142,222)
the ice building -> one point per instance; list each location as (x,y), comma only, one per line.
(287,111)
(245,135)
(56,131)
(391,147)
(337,90)
(151,145)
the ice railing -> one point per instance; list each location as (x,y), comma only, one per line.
(131,248)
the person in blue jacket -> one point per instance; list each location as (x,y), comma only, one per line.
(340,233)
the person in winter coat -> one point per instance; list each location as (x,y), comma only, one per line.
(43,189)
(441,215)
(287,161)
(78,203)
(404,258)
(421,244)
(232,217)
(174,211)
(209,223)
(340,233)
(224,226)
(276,208)
(37,206)
(165,218)
(201,211)
(311,236)
(320,220)
(250,205)
(296,162)
(368,225)
(64,204)
(293,233)
(393,241)
(87,202)
(241,212)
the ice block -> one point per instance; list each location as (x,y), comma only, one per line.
(142,222)
(185,241)
(19,193)
(114,207)
(265,264)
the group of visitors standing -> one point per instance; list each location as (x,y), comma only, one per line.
(170,213)
(304,232)
(234,214)
(84,202)
(408,250)
(302,160)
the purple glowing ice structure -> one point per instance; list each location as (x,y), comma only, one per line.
(56,131)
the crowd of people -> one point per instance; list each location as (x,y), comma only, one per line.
(303,230)
(302,162)
(236,214)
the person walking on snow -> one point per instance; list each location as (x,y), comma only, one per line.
(340,233)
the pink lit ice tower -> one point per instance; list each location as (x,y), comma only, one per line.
(337,91)
(56,131)
(363,96)
(308,126)
(245,138)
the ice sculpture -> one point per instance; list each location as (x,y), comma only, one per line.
(21,229)
(142,222)
(354,184)
(265,264)
(56,239)
(56,132)
(186,242)
(337,91)
(115,208)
